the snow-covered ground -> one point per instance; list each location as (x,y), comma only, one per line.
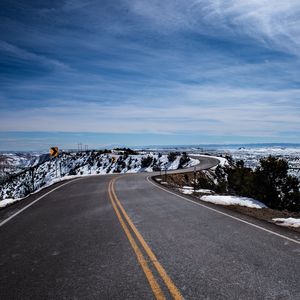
(222,200)
(9,201)
(233,200)
(288,222)
(189,190)
(223,161)
(74,164)
(14,162)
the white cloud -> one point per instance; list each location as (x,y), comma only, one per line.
(30,56)
(273,23)
(230,112)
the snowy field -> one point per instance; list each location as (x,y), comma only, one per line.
(251,156)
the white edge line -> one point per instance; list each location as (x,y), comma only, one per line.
(225,214)
(33,202)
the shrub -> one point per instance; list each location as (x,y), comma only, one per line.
(268,183)
(184,159)
(241,179)
(121,164)
(72,172)
(172,156)
(274,186)
(146,161)
(126,151)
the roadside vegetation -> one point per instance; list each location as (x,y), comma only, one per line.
(269,183)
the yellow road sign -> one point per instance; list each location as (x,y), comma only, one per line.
(113,159)
(54,151)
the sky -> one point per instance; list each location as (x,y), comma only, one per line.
(146,72)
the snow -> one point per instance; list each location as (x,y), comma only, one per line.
(204,191)
(192,162)
(9,201)
(174,164)
(223,200)
(189,190)
(223,161)
(233,200)
(77,164)
(251,156)
(187,187)
(288,222)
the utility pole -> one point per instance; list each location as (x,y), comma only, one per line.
(165,174)
(32,178)
(56,166)
(194,178)
(80,147)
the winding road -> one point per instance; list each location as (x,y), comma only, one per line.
(124,237)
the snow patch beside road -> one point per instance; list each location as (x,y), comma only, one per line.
(7,202)
(189,190)
(288,222)
(233,200)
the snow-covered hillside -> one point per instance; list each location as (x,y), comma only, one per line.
(87,163)
(11,163)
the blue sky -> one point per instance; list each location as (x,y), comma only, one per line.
(148,72)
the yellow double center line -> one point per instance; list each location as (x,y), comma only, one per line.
(157,291)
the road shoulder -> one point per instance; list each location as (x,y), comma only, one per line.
(261,224)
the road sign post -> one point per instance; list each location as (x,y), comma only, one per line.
(54,153)
(195,178)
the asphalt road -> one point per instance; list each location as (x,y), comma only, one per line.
(122,237)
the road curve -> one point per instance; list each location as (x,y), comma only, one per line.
(122,237)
